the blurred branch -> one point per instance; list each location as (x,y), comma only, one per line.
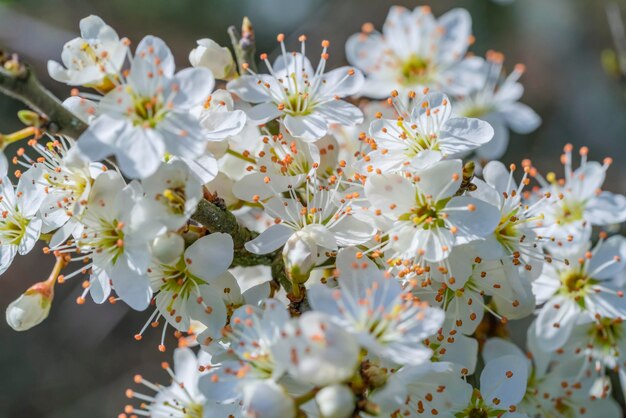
(17,80)
(616,24)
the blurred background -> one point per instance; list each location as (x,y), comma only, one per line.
(79,362)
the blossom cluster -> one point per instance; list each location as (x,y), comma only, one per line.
(320,255)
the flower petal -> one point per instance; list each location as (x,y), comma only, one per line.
(269,240)
(210,256)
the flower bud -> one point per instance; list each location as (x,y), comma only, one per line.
(335,401)
(168,248)
(211,55)
(32,307)
(266,399)
(300,256)
(30,118)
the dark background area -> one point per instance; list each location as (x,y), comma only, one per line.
(78,362)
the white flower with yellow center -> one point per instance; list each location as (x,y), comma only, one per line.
(415,50)
(20,226)
(324,222)
(584,289)
(66,178)
(113,241)
(183,287)
(375,308)
(422,135)
(518,237)
(496,100)
(307,100)
(94,59)
(582,203)
(182,398)
(284,162)
(248,355)
(172,194)
(147,114)
(421,216)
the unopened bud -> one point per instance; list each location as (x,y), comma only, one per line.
(209,54)
(266,399)
(300,256)
(335,401)
(30,118)
(168,248)
(32,307)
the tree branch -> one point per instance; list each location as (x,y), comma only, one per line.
(17,80)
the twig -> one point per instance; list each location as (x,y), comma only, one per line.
(616,24)
(244,45)
(17,80)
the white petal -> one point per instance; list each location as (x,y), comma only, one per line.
(263,113)
(99,286)
(182,135)
(220,125)
(351,231)
(269,240)
(504,378)
(521,118)
(550,336)
(131,285)
(606,208)
(100,139)
(93,27)
(30,191)
(341,112)
(495,148)
(460,135)
(7,254)
(210,256)
(472,224)
(208,308)
(437,180)
(254,89)
(139,152)
(310,127)
(193,86)
(456,26)
(31,236)
(340,83)
(609,259)
(391,193)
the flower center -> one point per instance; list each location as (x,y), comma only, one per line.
(606,333)
(12,228)
(507,230)
(576,284)
(147,111)
(478,413)
(418,143)
(174,199)
(415,70)
(570,212)
(177,280)
(290,164)
(426,215)
(110,239)
(476,111)
(193,411)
